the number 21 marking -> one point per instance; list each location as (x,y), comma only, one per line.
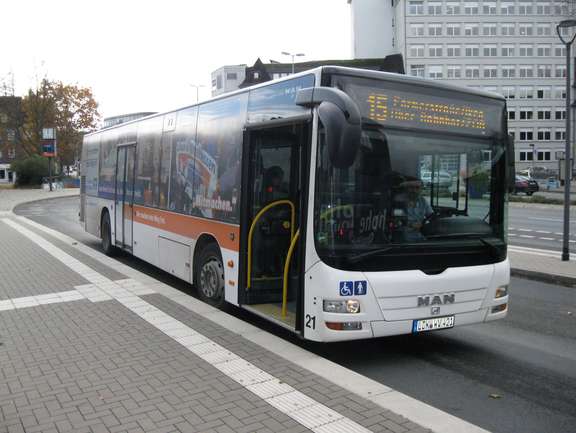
(310,321)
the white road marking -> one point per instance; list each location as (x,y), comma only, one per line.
(548,239)
(298,406)
(527,236)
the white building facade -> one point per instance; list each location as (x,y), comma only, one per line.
(227,78)
(506,47)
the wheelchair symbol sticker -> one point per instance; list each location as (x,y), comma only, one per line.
(346,288)
(360,288)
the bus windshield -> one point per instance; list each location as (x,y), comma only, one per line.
(415,196)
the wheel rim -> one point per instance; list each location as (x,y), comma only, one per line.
(212,278)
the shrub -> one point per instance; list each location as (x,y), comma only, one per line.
(31,170)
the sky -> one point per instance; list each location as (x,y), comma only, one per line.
(144,55)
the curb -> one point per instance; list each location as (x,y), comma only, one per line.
(544,277)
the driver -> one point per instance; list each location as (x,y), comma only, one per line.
(417,208)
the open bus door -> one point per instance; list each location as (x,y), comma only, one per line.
(124,196)
(272,215)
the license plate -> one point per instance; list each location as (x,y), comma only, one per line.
(432,324)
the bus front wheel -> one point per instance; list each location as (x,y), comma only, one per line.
(106,233)
(210,275)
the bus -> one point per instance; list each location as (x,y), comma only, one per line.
(338,203)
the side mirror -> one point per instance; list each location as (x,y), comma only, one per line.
(341,119)
(510,165)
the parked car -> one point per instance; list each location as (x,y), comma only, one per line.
(526,185)
(443,179)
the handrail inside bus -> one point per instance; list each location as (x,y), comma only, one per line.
(286,269)
(253,225)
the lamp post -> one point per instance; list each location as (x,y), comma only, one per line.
(567,24)
(197,86)
(286,53)
(532,146)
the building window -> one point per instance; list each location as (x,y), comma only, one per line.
(452,8)
(526,71)
(544,51)
(489,29)
(256,75)
(231,76)
(512,133)
(471,30)
(472,71)
(560,134)
(544,134)
(490,71)
(543,9)
(560,92)
(544,155)
(453,29)
(454,71)
(417,70)
(489,8)
(526,92)
(525,29)
(544,71)
(508,29)
(543,93)
(526,50)
(434,29)
(526,135)
(543,29)
(471,8)
(507,8)
(560,71)
(509,92)
(525,9)
(435,72)
(435,50)
(507,50)
(434,8)
(560,51)
(511,114)
(560,114)
(490,50)
(453,50)
(526,113)
(544,113)
(417,51)
(471,50)
(417,29)
(526,155)
(508,71)
(416,7)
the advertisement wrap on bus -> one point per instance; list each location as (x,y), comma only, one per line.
(337,203)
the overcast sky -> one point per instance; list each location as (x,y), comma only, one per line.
(143,55)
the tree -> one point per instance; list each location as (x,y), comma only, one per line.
(70,109)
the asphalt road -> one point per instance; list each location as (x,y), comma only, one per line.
(514,375)
(538,226)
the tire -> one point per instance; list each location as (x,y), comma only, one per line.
(106,233)
(209,275)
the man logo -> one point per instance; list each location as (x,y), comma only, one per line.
(428,300)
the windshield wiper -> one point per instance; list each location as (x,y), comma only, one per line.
(359,257)
(494,250)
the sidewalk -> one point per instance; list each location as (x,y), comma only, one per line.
(91,345)
(542,265)
(10,198)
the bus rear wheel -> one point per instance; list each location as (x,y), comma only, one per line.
(106,233)
(209,275)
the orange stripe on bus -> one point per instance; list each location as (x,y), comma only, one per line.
(226,234)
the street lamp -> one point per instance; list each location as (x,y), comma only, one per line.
(197,86)
(286,53)
(567,24)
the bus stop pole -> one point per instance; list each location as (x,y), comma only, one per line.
(567,165)
(50,172)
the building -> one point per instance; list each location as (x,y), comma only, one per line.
(507,47)
(224,80)
(11,118)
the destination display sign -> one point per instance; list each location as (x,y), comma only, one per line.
(416,110)
(413,106)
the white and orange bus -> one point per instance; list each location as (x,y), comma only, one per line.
(338,203)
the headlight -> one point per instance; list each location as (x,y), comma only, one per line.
(501,292)
(342,306)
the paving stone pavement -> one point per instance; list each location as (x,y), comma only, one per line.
(87,366)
